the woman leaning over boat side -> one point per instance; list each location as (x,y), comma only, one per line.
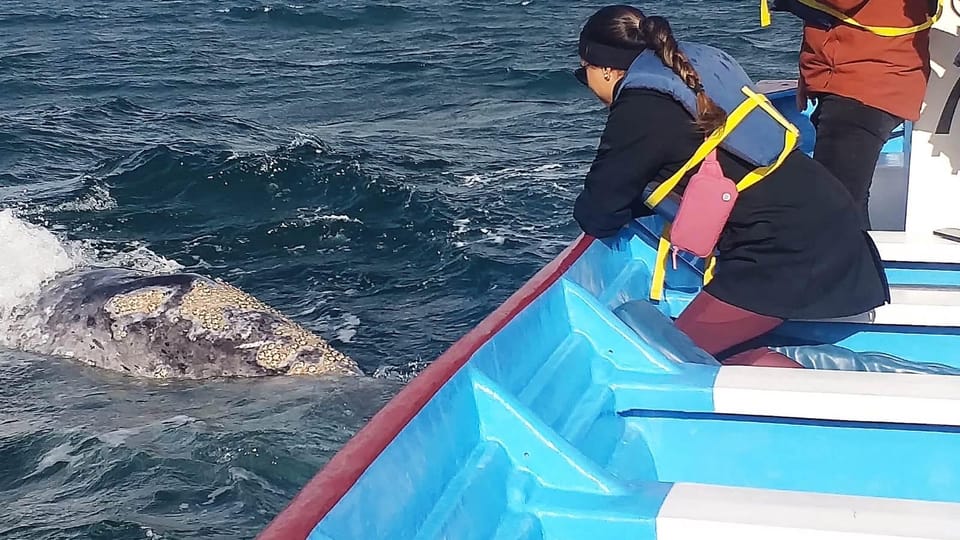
(792,247)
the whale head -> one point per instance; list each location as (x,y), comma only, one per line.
(175,326)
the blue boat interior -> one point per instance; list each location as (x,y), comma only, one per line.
(575,420)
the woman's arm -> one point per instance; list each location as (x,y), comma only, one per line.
(632,150)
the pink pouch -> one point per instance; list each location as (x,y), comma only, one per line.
(704,209)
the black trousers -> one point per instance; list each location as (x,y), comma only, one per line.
(850,136)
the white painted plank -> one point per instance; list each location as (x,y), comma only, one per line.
(695,511)
(925,296)
(778,85)
(924,247)
(838,395)
(914,306)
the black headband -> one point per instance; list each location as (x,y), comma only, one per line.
(598,54)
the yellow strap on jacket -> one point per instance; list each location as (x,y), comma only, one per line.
(886,31)
(752,101)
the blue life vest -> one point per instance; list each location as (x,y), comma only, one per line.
(759,139)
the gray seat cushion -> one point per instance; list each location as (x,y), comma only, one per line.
(656,329)
(840,358)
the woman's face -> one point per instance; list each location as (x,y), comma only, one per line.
(600,80)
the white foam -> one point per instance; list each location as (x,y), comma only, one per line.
(119,436)
(30,255)
(307,218)
(461,226)
(303,140)
(546,172)
(348,329)
(62,453)
(137,258)
(404,373)
(97,200)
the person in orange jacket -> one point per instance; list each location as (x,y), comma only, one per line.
(866,63)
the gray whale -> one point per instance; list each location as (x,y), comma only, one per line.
(180,325)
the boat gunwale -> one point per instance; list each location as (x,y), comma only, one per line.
(332,482)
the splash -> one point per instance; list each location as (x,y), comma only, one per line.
(97,200)
(347,330)
(403,374)
(135,256)
(549,171)
(29,257)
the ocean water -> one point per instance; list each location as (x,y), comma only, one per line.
(385,173)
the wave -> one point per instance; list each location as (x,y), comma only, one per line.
(255,185)
(57,143)
(9,180)
(40,19)
(297,16)
(187,460)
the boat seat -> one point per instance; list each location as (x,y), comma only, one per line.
(913,305)
(655,328)
(711,511)
(905,247)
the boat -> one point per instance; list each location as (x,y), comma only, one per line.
(577,411)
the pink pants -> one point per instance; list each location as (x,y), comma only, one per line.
(716,326)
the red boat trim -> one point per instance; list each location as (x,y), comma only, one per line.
(332,482)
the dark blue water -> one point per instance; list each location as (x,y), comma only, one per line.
(384,173)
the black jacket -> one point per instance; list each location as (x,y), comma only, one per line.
(793,247)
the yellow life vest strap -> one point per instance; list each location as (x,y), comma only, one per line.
(885,31)
(791,138)
(659,277)
(734,119)
(764,13)
(708,145)
(708,267)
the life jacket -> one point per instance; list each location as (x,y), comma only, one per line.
(764,138)
(823,16)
